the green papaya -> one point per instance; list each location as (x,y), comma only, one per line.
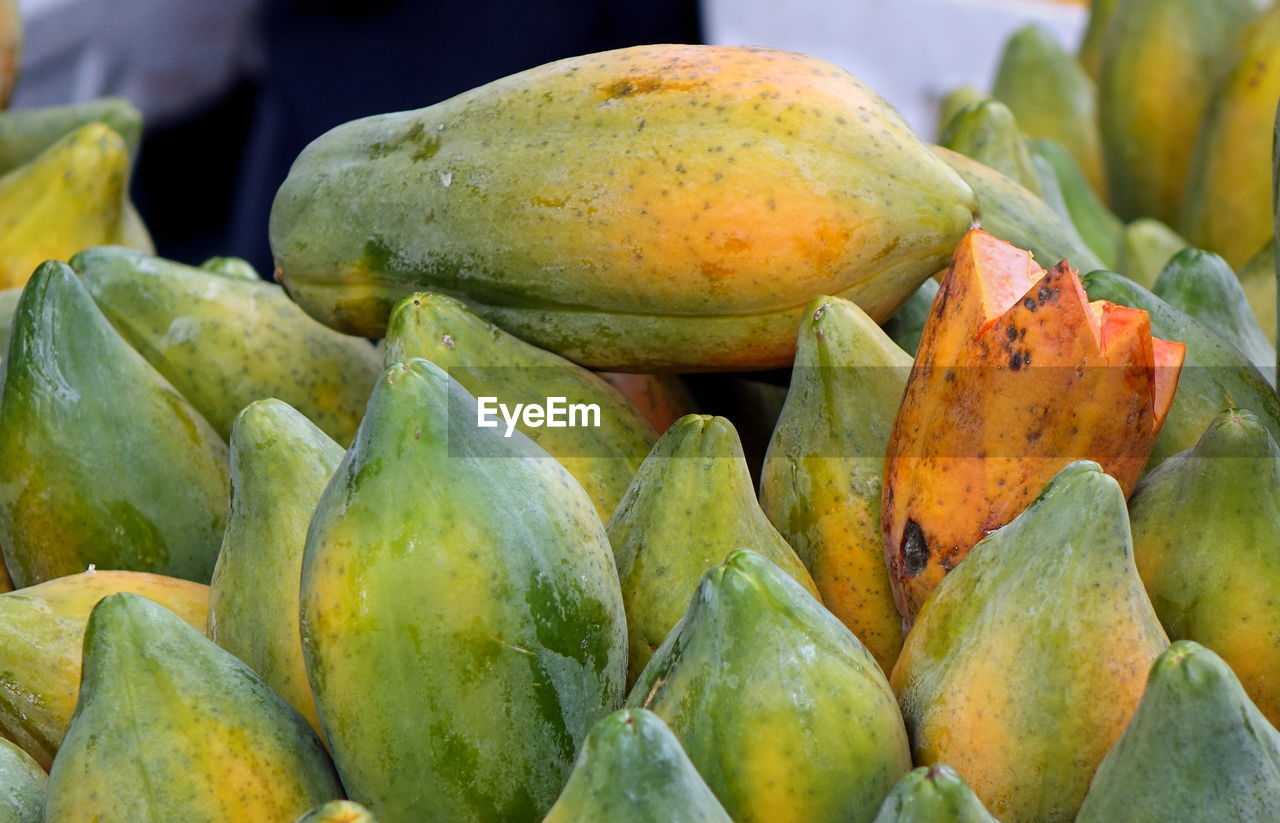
(906,327)
(632,770)
(959,98)
(168,726)
(654,208)
(1258,279)
(1146,247)
(986,131)
(690,504)
(461,618)
(933,794)
(338,811)
(489,363)
(225,342)
(1215,374)
(104,461)
(1101,230)
(1228,205)
(22,786)
(1013,214)
(1096,29)
(822,474)
(783,711)
(1052,97)
(1202,285)
(234,267)
(1160,65)
(1206,534)
(41,635)
(280,464)
(25,133)
(1028,660)
(1196,749)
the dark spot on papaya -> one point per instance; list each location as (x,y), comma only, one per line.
(1029,303)
(915,549)
(1011,333)
(1015,362)
(1044,294)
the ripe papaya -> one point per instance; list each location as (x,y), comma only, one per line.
(986,131)
(632,770)
(784,712)
(280,464)
(22,786)
(1196,749)
(661,398)
(1017,375)
(690,504)
(338,811)
(1030,658)
(933,794)
(104,461)
(1100,229)
(461,618)
(1146,247)
(41,634)
(25,133)
(822,474)
(488,362)
(655,208)
(225,342)
(168,726)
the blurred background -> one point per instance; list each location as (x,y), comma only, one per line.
(232,90)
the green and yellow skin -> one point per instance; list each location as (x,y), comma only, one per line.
(1101,230)
(1196,749)
(784,713)
(1146,247)
(22,786)
(655,208)
(280,465)
(1052,97)
(633,770)
(461,618)
(1161,62)
(1028,660)
(956,100)
(1101,13)
(41,635)
(488,362)
(338,811)
(1258,279)
(226,341)
(168,726)
(933,794)
(986,131)
(823,472)
(690,504)
(103,461)
(1206,536)
(25,133)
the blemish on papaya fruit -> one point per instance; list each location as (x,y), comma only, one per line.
(630,86)
(915,549)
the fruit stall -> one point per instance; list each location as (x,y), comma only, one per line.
(666,433)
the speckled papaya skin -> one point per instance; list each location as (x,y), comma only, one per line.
(661,207)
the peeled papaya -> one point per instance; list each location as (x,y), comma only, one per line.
(104,462)
(690,504)
(22,786)
(986,131)
(655,208)
(170,727)
(822,474)
(225,342)
(461,618)
(25,133)
(1196,749)
(785,714)
(632,770)
(1030,658)
(661,398)
(41,634)
(338,811)
(933,794)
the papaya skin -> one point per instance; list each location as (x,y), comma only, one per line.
(661,398)
(338,811)
(986,131)
(10,49)
(22,786)
(656,208)
(933,794)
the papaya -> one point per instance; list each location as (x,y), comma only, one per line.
(461,618)
(236,268)
(1257,279)
(1216,375)
(1202,285)
(338,811)
(783,711)
(10,49)
(1013,214)
(25,133)
(1206,534)
(1161,61)
(280,465)
(1228,205)
(225,342)
(168,726)
(933,794)
(661,398)
(1146,247)
(959,98)
(1017,375)
(1096,29)
(41,634)
(22,786)
(489,363)
(1196,749)
(905,327)
(1052,97)
(690,504)
(654,208)
(986,131)
(822,474)
(632,770)
(104,461)
(69,197)
(1100,229)
(1027,662)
